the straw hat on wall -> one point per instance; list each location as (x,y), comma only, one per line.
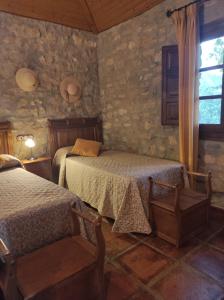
(70,89)
(26,79)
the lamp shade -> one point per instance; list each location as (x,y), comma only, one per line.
(30,143)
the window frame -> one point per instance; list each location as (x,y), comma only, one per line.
(213,131)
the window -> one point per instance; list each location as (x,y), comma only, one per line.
(211,81)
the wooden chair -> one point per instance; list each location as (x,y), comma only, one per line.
(181,212)
(71,268)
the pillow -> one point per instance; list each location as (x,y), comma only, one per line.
(86,148)
(9,161)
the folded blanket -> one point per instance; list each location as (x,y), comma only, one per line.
(8,161)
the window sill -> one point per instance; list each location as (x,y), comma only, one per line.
(211,132)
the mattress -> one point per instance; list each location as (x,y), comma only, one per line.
(33,211)
(116,184)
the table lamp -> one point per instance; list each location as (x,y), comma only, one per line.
(30,143)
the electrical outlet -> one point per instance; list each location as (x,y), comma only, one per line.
(20,138)
(23,137)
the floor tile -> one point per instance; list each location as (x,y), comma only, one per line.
(218,240)
(143,295)
(140,236)
(171,250)
(208,261)
(217,214)
(212,228)
(183,284)
(119,285)
(116,242)
(144,262)
(218,200)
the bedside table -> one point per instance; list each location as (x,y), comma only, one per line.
(40,166)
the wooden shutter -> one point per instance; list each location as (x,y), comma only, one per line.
(170,68)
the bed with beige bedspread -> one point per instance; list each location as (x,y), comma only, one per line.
(33,211)
(115,183)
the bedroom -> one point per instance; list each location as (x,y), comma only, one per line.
(119,70)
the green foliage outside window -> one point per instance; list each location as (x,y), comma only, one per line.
(212,54)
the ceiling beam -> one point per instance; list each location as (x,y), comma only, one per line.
(89,16)
(108,13)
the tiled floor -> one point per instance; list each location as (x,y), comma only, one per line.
(140,267)
(218,200)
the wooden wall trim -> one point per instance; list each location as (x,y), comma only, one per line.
(6,144)
(64,132)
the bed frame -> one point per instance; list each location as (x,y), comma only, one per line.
(5,138)
(64,132)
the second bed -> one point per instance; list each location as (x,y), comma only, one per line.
(115,183)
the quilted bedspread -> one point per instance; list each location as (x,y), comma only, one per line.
(116,183)
(33,211)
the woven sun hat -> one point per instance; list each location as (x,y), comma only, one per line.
(70,89)
(26,79)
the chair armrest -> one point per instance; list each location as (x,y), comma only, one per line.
(94,221)
(176,188)
(100,242)
(208,181)
(4,251)
(5,254)
(165,185)
(8,273)
(200,174)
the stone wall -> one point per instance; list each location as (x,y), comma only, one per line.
(53,52)
(130,83)
(211,157)
(129,61)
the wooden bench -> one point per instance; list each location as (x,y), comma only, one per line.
(181,212)
(71,268)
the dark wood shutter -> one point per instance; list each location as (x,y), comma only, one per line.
(170,68)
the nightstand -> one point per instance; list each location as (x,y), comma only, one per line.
(40,166)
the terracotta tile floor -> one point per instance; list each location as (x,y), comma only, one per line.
(141,267)
(218,240)
(115,242)
(218,200)
(209,261)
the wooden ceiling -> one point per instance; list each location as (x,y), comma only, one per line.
(89,15)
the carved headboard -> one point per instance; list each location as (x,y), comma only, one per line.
(5,138)
(64,132)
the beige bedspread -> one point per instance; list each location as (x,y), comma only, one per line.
(33,211)
(116,183)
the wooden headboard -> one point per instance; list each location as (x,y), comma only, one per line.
(5,138)
(64,132)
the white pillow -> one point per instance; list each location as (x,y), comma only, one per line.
(8,161)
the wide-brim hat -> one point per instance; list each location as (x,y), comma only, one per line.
(70,89)
(26,79)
